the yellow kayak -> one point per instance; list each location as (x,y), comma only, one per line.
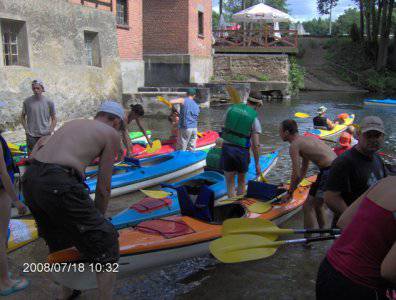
(335,132)
(21,233)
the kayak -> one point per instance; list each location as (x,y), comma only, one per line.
(386,102)
(149,208)
(149,171)
(20,159)
(205,142)
(168,240)
(334,133)
(21,232)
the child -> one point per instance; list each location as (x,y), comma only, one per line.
(174,120)
(344,143)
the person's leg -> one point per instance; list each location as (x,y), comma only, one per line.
(192,141)
(230,180)
(182,139)
(241,190)
(105,282)
(309,213)
(5,212)
(320,210)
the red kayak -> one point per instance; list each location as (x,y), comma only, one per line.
(205,142)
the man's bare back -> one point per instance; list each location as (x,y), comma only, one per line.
(313,150)
(77,143)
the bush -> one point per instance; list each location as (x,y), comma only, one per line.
(296,76)
(239,77)
(263,77)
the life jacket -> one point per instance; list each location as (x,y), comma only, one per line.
(213,159)
(238,125)
(203,207)
(11,167)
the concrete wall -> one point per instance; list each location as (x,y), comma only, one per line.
(55,36)
(201,69)
(275,66)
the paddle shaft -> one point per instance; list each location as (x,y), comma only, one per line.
(280,231)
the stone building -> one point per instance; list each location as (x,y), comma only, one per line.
(177,41)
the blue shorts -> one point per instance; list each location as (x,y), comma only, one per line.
(235,158)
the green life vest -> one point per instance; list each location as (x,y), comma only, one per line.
(238,124)
(213,158)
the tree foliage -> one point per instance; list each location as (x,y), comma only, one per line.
(325,6)
(319,26)
(343,24)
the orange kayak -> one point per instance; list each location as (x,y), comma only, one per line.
(164,241)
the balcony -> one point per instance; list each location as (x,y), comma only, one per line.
(265,40)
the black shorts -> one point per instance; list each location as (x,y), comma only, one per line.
(235,158)
(318,187)
(65,214)
(331,285)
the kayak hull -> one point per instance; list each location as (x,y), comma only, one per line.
(384,102)
(142,251)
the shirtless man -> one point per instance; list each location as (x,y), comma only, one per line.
(54,189)
(307,149)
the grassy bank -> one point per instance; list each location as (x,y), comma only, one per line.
(356,66)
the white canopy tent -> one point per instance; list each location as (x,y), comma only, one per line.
(262,13)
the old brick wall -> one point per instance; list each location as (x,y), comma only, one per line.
(200,45)
(57,55)
(230,66)
(165,26)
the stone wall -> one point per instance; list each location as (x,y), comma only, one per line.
(234,66)
(56,54)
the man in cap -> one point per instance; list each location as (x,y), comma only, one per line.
(188,120)
(303,150)
(320,121)
(38,115)
(240,133)
(354,171)
(344,143)
(55,192)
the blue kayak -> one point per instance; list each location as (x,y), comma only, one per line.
(149,208)
(388,101)
(131,176)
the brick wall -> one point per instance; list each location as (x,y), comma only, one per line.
(200,45)
(130,38)
(165,26)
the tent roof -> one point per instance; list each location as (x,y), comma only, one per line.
(262,13)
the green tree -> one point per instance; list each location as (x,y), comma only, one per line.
(325,7)
(317,26)
(215,19)
(345,21)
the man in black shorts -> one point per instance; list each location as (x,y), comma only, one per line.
(54,189)
(240,133)
(304,149)
(357,169)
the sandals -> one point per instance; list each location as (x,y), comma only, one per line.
(19,285)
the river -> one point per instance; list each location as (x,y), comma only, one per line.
(290,274)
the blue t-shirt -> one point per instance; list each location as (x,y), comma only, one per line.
(189,113)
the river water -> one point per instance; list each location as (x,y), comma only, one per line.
(290,274)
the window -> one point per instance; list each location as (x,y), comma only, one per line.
(122,12)
(200,23)
(14,42)
(92,49)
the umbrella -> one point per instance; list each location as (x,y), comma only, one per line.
(262,13)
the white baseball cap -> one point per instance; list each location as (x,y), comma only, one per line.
(114,108)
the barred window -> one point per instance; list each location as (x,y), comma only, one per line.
(92,49)
(122,12)
(200,23)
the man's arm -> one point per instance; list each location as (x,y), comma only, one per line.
(296,176)
(177,101)
(126,140)
(53,117)
(388,265)
(330,124)
(255,149)
(23,116)
(335,202)
(103,186)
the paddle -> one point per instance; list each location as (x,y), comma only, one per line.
(302,115)
(167,103)
(155,194)
(245,247)
(265,228)
(234,95)
(156,146)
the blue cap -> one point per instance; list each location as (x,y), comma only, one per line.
(114,108)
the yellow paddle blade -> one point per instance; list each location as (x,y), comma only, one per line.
(304,183)
(231,200)
(199,134)
(234,95)
(258,207)
(13,147)
(258,226)
(262,178)
(156,146)
(301,115)
(242,247)
(163,100)
(155,194)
